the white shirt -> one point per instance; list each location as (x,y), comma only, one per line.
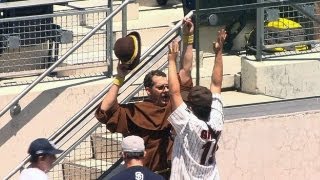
(33,174)
(189,144)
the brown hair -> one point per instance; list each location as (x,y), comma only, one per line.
(147,82)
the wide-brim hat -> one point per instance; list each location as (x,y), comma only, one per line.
(128,49)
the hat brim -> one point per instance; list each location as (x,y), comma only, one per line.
(136,60)
(54,151)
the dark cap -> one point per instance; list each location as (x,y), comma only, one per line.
(42,146)
(198,96)
(128,49)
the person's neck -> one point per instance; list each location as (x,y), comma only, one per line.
(38,166)
(134,162)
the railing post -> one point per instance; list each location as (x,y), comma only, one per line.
(260,32)
(124,20)
(109,40)
(197,43)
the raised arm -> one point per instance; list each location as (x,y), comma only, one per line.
(217,72)
(187,54)
(174,85)
(111,97)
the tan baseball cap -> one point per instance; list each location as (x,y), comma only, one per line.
(133,144)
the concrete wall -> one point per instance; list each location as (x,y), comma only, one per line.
(285,147)
(283,79)
(44,110)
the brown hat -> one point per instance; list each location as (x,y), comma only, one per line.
(198,96)
(128,49)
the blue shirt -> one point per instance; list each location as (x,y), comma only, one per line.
(137,173)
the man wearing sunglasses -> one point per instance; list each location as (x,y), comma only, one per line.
(148,119)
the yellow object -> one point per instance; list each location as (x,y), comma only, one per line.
(283,24)
(188,39)
(286,24)
(118,81)
(136,47)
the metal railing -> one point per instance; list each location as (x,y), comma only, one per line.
(302,12)
(25,91)
(74,48)
(30,42)
(85,115)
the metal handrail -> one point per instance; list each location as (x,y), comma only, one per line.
(93,103)
(254,6)
(68,123)
(62,58)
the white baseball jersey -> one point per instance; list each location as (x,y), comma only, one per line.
(193,148)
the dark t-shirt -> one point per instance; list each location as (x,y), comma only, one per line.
(137,173)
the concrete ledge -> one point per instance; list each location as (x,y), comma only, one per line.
(282,79)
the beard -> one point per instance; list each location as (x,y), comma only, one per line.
(163,99)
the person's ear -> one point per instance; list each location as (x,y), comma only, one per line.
(148,90)
(42,158)
(124,155)
(144,154)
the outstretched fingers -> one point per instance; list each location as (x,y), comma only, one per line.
(188,27)
(222,34)
(221,37)
(174,47)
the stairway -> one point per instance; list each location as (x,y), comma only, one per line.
(153,22)
(101,153)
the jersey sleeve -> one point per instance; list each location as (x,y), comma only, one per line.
(216,115)
(179,118)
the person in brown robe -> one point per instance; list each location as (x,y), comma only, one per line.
(147,119)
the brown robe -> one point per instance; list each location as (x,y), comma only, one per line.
(148,121)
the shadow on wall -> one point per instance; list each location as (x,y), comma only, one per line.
(32,110)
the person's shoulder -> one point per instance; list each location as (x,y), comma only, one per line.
(155,176)
(150,174)
(33,173)
(122,175)
(137,172)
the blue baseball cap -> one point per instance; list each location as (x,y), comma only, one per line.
(43,146)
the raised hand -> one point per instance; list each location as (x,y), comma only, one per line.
(122,70)
(218,45)
(188,27)
(173,50)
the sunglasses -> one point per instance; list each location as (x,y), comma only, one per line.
(162,87)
